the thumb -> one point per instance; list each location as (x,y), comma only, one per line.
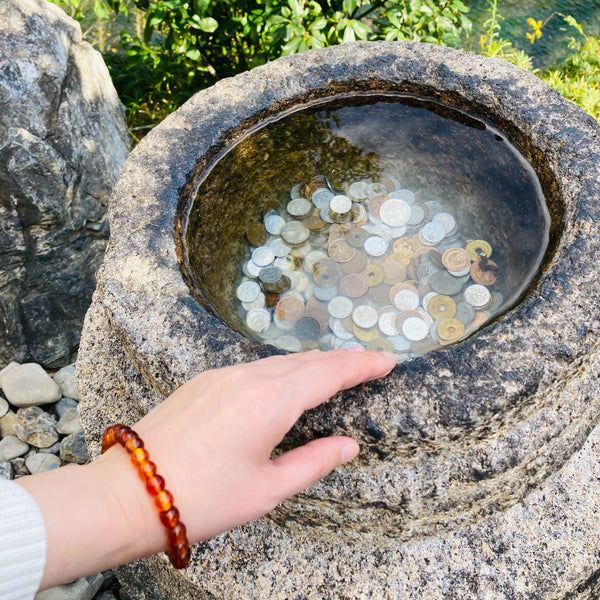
(299,468)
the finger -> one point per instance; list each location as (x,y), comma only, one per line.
(299,468)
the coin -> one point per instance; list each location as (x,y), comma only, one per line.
(289,343)
(415,329)
(359,215)
(356,264)
(312,186)
(325,294)
(441,307)
(256,234)
(340,204)
(432,234)
(365,335)
(395,212)
(380,344)
(380,294)
(393,271)
(497,300)
(478,296)
(364,316)
(450,330)
(299,207)
(447,221)
(426,298)
(326,273)
(354,285)
(405,299)
(477,248)
(417,213)
(279,247)
(270,275)
(356,237)
(251,269)
(313,257)
(374,189)
(375,245)
(341,251)
(258,302)
(258,319)
(456,259)
(358,190)
(248,291)
(263,256)
(322,197)
(320,316)
(339,330)
(464,312)
(340,307)
(425,270)
(405,195)
(484,271)
(308,328)
(314,221)
(443,283)
(478,320)
(387,322)
(382,230)
(295,233)
(289,309)
(277,287)
(403,246)
(375,204)
(274,222)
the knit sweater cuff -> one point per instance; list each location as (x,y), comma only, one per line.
(22,543)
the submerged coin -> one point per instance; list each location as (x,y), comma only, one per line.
(247,291)
(393,271)
(417,214)
(441,307)
(478,296)
(365,335)
(380,294)
(325,294)
(415,329)
(444,283)
(340,204)
(326,273)
(456,259)
(340,307)
(258,319)
(356,265)
(450,330)
(341,251)
(395,212)
(354,285)
(263,256)
(295,233)
(387,322)
(484,271)
(364,316)
(356,237)
(447,221)
(405,299)
(432,234)
(375,246)
(289,309)
(321,197)
(299,207)
(477,248)
(273,223)
(375,204)
(256,234)
(279,247)
(358,190)
(373,274)
(308,328)
(465,312)
(380,344)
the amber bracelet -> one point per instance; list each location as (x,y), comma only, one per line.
(179,547)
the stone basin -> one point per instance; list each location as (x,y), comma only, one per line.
(478,475)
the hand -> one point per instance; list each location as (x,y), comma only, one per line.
(212,441)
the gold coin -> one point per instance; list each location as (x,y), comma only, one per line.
(365,335)
(348,323)
(456,259)
(403,247)
(380,294)
(478,247)
(380,344)
(314,221)
(326,273)
(375,204)
(356,237)
(394,271)
(356,265)
(341,251)
(257,234)
(450,329)
(289,309)
(441,307)
(373,274)
(484,272)
(308,189)
(353,285)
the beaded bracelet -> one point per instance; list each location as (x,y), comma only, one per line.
(179,547)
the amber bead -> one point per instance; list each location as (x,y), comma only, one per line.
(125,435)
(163,500)
(109,438)
(177,534)
(147,470)
(139,457)
(170,518)
(155,485)
(180,555)
(133,443)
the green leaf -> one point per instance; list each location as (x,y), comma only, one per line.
(348,35)
(207,24)
(318,25)
(349,6)
(193,54)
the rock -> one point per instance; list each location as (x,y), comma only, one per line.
(19,467)
(80,589)
(7,424)
(478,472)
(12,447)
(69,422)
(63,139)
(36,427)
(54,449)
(42,461)
(73,449)
(9,366)
(29,385)
(3,407)
(6,469)
(64,404)
(66,381)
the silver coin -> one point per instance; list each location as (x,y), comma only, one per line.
(398,231)
(400,343)
(339,330)
(426,298)
(383,231)
(415,329)
(295,233)
(417,214)
(279,247)
(289,343)
(447,221)
(252,269)
(434,207)
(374,189)
(295,192)
(321,198)
(375,246)
(325,294)
(258,319)
(270,274)
(431,234)
(425,270)
(247,291)
(433,330)
(301,251)
(406,300)
(299,207)
(263,256)
(340,307)
(324,214)
(425,316)
(285,263)
(340,204)
(387,323)
(273,222)
(258,302)
(477,295)
(364,316)
(358,190)
(497,300)
(312,258)
(395,212)
(465,312)
(282,324)
(443,283)
(405,195)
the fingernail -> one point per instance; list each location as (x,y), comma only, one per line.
(356,349)
(349,451)
(389,355)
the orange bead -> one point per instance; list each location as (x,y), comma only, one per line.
(163,500)
(180,555)
(155,485)
(139,457)
(147,470)
(177,534)
(109,438)
(133,443)
(170,518)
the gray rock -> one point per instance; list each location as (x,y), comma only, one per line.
(7,368)
(80,589)
(29,385)
(6,469)
(19,467)
(478,475)
(63,139)
(64,404)
(3,407)
(42,461)
(36,427)
(66,381)
(69,422)
(54,449)
(12,447)
(73,449)
(7,424)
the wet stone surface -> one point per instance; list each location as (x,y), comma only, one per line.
(478,473)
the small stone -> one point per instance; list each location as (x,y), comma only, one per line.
(29,385)
(69,422)
(3,407)
(7,424)
(19,467)
(61,407)
(36,427)
(12,447)
(73,449)
(80,589)
(6,369)
(6,469)
(65,378)
(54,449)
(42,461)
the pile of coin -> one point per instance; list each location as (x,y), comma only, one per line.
(368,265)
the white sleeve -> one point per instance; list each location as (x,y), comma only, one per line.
(22,543)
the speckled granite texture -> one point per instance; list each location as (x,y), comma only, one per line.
(478,476)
